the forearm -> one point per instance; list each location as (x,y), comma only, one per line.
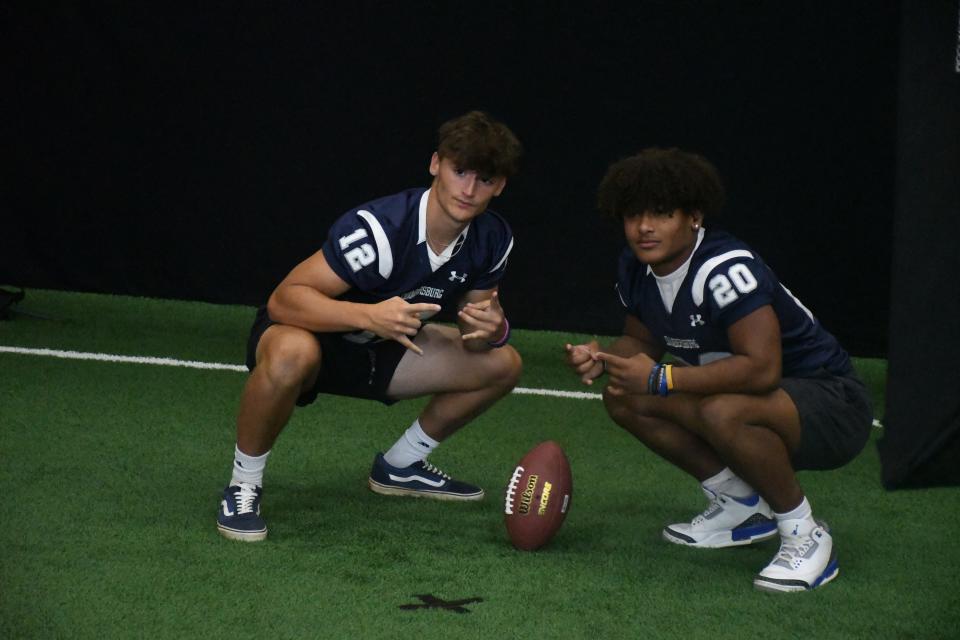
(734,374)
(305,307)
(755,366)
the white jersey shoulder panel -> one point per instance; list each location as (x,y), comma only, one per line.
(701,278)
(504,258)
(384,253)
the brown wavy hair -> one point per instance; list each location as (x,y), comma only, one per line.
(477,142)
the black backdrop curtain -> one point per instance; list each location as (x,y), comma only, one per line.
(921,444)
(198,151)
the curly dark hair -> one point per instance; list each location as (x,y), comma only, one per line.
(477,142)
(660,180)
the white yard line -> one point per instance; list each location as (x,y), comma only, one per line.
(110,357)
(194,364)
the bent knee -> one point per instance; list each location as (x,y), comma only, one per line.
(626,406)
(507,367)
(627,410)
(720,413)
(290,357)
(616,407)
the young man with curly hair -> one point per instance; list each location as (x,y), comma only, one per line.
(350,320)
(756,388)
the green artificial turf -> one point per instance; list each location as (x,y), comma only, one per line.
(111,474)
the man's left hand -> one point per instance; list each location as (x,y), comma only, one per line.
(484,320)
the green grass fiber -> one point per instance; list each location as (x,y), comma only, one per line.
(110,475)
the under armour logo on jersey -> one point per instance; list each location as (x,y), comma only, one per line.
(455,276)
(696,320)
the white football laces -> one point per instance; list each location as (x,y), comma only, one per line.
(512,489)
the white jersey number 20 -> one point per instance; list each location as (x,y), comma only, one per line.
(725,288)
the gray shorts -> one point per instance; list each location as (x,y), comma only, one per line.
(836,416)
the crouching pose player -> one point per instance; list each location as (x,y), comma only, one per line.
(767,390)
(349,320)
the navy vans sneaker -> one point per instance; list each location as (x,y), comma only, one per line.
(239,515)
(420,479)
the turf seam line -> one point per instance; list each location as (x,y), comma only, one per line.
(194,364)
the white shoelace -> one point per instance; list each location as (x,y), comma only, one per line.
(714,506)
(794,546)
(432,469)
(244,498)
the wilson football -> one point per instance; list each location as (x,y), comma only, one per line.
(538,496)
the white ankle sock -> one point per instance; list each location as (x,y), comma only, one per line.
(729,483)
(248,468)
(413,446)
(797,521)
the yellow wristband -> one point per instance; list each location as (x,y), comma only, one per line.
(669,369)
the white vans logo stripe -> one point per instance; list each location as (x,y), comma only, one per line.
(427,481)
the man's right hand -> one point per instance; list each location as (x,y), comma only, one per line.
(397,319)
(582,359)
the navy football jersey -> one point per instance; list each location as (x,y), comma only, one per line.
(380,249)
(725,280)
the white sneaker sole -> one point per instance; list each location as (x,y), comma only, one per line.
(242,536)
(771,585)
(385,490)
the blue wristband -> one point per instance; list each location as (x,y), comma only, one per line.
(653,380)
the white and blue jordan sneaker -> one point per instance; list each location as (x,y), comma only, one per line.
(806,559)
(728,522)
(239,514)
(419,480)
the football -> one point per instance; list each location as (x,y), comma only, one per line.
(538,496)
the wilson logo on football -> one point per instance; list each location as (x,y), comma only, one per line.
(526,498)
